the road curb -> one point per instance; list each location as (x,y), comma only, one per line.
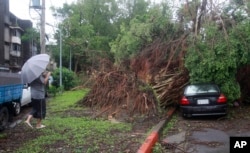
(153,137)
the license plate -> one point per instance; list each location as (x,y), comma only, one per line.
(202,101)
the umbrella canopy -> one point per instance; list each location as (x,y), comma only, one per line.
(34,67)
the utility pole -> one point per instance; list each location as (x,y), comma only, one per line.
(70,60)
(60,59)
(42,31)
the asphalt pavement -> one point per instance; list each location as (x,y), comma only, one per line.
(205,136)
(202,134)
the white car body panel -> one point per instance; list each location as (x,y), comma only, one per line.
(26,96)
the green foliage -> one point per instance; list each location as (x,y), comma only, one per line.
(52,90)
(240,41)
(125,45)
(217,59)
(69,78)
(145,88)
(140,32)
(3,135)
(232,89)
(158,148)
(31,35)
(87,28)
(171,125)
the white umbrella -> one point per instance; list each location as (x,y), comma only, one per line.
(34,67)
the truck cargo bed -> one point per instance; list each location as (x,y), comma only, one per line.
(10,93)
(10,87)
(7,78)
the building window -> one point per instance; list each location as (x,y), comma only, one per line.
(14,32)
(16,47)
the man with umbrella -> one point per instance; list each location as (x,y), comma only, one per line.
(33,72)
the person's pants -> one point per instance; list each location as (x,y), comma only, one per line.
(38,108)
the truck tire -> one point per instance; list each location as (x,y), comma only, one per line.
(17,108)
(4,118)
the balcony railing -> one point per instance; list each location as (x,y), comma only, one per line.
(15,53)
(15,39)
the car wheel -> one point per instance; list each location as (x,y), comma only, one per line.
(4,118)
(17,108)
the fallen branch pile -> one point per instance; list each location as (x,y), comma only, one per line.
(125,92)
(169,87)
(119,93)
(162,65)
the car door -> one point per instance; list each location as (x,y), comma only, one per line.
(26,96)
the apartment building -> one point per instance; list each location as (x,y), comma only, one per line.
(13,50)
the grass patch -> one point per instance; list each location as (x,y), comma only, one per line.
(170,125)
(69,133)
(66,100)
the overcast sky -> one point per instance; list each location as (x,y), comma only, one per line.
(21,9)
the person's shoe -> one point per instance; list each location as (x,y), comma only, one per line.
(28,123)
(41,126)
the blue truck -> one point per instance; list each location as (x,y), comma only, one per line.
(11,90)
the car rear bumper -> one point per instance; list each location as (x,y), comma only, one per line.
(204,110)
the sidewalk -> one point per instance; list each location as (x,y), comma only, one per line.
(153,137)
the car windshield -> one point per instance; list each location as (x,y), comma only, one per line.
(200,89)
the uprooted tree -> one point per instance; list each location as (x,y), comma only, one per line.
(206,42)
(119,93)
(155,80)
(161,65)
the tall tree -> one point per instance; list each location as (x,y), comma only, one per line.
(142,29)
(88,27)
(215,52)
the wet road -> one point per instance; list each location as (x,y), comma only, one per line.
(207,134)
(21,117)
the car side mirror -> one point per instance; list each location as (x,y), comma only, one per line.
(25,86)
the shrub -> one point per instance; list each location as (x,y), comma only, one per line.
(69,79)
